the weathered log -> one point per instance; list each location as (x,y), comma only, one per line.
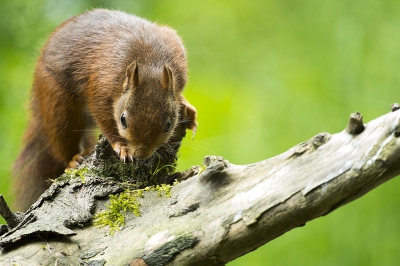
(221,212)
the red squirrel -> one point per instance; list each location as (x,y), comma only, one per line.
(108,69)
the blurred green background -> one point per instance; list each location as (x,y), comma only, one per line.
(264,76)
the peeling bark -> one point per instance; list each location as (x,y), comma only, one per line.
(218,213)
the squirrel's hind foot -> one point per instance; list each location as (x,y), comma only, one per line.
(78,158)
(76,161)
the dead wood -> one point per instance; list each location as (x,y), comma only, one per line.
(220,212)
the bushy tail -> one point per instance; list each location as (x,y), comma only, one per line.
(34,168)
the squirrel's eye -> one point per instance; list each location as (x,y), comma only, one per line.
(167,127)
(123,120)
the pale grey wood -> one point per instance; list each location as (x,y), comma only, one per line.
(228,210)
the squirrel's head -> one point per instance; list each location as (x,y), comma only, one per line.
(147,111)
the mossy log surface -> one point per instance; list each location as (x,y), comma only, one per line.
(217,212)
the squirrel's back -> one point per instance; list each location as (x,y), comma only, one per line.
(100,42)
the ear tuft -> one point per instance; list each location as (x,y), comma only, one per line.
(167,80)
(132,77)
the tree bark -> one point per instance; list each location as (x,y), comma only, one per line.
(220,212)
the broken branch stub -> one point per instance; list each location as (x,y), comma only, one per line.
(355,125)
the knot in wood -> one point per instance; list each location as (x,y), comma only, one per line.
(215,169)
(395,107)
(320,139)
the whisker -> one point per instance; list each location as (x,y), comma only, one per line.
(83,130)
(197,147)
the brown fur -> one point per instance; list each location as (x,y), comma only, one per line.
(95,67)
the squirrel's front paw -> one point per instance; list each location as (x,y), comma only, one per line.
(123,152)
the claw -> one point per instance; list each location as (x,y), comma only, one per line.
(122,151)
(193,127)
(117,150)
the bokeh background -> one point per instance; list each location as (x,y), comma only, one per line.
(264,75)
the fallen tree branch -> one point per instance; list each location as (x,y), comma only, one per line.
(223,211)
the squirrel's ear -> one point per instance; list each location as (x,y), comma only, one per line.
(167,80)
(132,77)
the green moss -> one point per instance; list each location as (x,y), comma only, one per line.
(144,174)
(73,173)
(163,188)
(113,168)
(135,177)
(114,216)
(121,203)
